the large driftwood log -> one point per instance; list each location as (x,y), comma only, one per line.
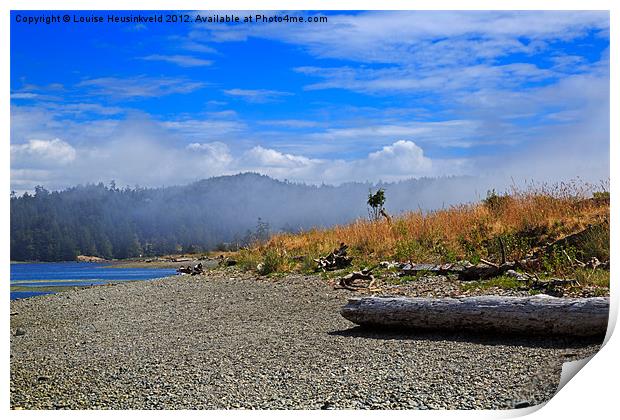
(540,314)
(465,271)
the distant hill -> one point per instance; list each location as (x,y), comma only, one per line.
(109,222)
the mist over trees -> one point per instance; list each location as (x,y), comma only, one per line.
(227,211)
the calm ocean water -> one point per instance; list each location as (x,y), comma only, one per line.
(39,277)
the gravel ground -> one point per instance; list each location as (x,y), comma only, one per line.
(226,340)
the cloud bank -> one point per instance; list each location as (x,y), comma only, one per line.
(144,152)
(370,96)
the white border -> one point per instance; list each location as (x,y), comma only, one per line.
(591,394)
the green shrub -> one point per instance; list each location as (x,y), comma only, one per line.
(594,243)
(496,202)
(601,196)
(445,253)
(599,278)
(515,245)
(308,265)
(273,261)
(247,260)
(410,250)
(559,260)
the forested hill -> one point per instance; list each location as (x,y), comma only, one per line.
(110,222)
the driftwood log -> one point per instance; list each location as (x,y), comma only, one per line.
(540,314)
(465,271)
(195,270)
(347,282)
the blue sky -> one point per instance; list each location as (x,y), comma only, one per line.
(365,96)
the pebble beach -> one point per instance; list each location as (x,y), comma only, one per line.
(227,340)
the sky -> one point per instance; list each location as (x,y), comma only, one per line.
(365,96)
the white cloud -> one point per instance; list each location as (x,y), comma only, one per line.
(402,157)
(179,60)
(205,129)
(47,121)
(25,95)
(444,134)
(257,95)
(449,55)
(292,123)
(444,80)
(413,35)
(36,93)
(80,108)
(191,45)
(143,152)
(216,147)
(260,158)
(41,153)
(216,153)
(139,86)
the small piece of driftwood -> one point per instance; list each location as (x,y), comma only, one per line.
(538,315)
(335,260)
(347,282)
(193,271)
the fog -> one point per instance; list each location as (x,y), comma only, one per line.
(219,212)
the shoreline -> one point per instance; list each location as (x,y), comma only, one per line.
(131,263)
(62,285)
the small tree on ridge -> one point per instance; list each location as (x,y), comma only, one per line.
(375,203)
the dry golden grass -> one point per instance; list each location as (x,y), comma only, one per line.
(523,221)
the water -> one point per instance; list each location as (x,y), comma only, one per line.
(41,278)
(22,295)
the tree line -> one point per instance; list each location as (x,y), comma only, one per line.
(221,212)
